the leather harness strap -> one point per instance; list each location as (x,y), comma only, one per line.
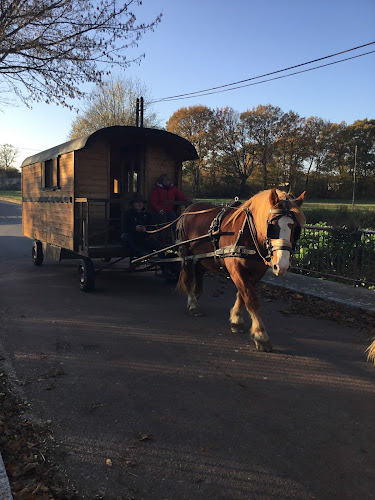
(236,250)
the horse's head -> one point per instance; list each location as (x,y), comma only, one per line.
(284,223)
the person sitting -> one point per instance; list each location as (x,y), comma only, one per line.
(162,192)
(135,237)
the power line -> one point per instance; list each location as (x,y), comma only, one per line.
(19,147)
(215,90)
(263,81)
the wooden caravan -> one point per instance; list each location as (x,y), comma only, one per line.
(75,195)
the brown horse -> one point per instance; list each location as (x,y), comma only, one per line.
(244,241)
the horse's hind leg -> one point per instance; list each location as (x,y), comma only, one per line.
(237,324)
(189,285)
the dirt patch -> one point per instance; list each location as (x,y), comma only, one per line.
(307,305)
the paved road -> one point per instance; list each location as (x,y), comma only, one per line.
(183,408)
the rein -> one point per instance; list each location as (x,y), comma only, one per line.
(168,224)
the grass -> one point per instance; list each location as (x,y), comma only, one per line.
(315,204)
(334,204)
(336,213)
(11,195)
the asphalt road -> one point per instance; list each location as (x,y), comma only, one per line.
(181,407)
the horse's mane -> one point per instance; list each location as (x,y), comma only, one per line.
(260,207)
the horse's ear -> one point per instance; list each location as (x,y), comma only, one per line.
(274,199)
(298,201)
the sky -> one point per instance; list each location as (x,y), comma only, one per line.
(201,44)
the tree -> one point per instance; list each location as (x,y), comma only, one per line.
(291,148)
(362,135)
(112,103)
(8,155)
(234,142)
(264,122)
(194,124)
(317,135)
(48,48)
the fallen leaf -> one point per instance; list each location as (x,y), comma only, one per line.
(144,436)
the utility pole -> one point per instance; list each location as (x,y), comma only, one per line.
(354,174)
(141,113)
(137,113)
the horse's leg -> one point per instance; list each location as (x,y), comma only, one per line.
(258,330)
(199,271)
(187,284)
(237,324)
(246,290)
(196,289)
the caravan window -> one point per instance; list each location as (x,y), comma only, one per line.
(51,174)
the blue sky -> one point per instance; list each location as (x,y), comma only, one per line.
(207,43)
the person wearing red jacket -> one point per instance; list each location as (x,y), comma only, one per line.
(162,192)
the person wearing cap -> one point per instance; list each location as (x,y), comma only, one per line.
(135,237)
(162,192)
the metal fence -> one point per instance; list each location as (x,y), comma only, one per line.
(337,254)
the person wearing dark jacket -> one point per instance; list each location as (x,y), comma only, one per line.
(135,238)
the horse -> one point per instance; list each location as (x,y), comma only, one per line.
(244,240)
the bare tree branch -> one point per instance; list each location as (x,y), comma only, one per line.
(48,48)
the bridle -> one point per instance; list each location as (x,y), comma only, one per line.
(271,244)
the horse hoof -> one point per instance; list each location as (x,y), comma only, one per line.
(237,328)
(195,312)
(264,346)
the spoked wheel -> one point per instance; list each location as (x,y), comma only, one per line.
(37,253)
(86,275)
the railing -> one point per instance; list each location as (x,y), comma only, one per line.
(338,254)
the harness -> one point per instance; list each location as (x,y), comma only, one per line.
(271,244)
(236,250)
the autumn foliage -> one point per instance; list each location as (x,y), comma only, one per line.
(262,147)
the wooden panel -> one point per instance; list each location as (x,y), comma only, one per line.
(47,214)
(92,171)
(158,162)
(49,222)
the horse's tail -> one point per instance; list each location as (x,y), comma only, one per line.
(371,352)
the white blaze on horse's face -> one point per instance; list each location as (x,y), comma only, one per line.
(281,258)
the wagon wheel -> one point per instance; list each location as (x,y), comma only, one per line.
(37,253)
(86,275)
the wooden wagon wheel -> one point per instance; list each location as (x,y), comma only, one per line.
(86,275)
(37,253)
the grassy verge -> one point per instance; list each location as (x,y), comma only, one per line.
(333,213)
(12,196)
